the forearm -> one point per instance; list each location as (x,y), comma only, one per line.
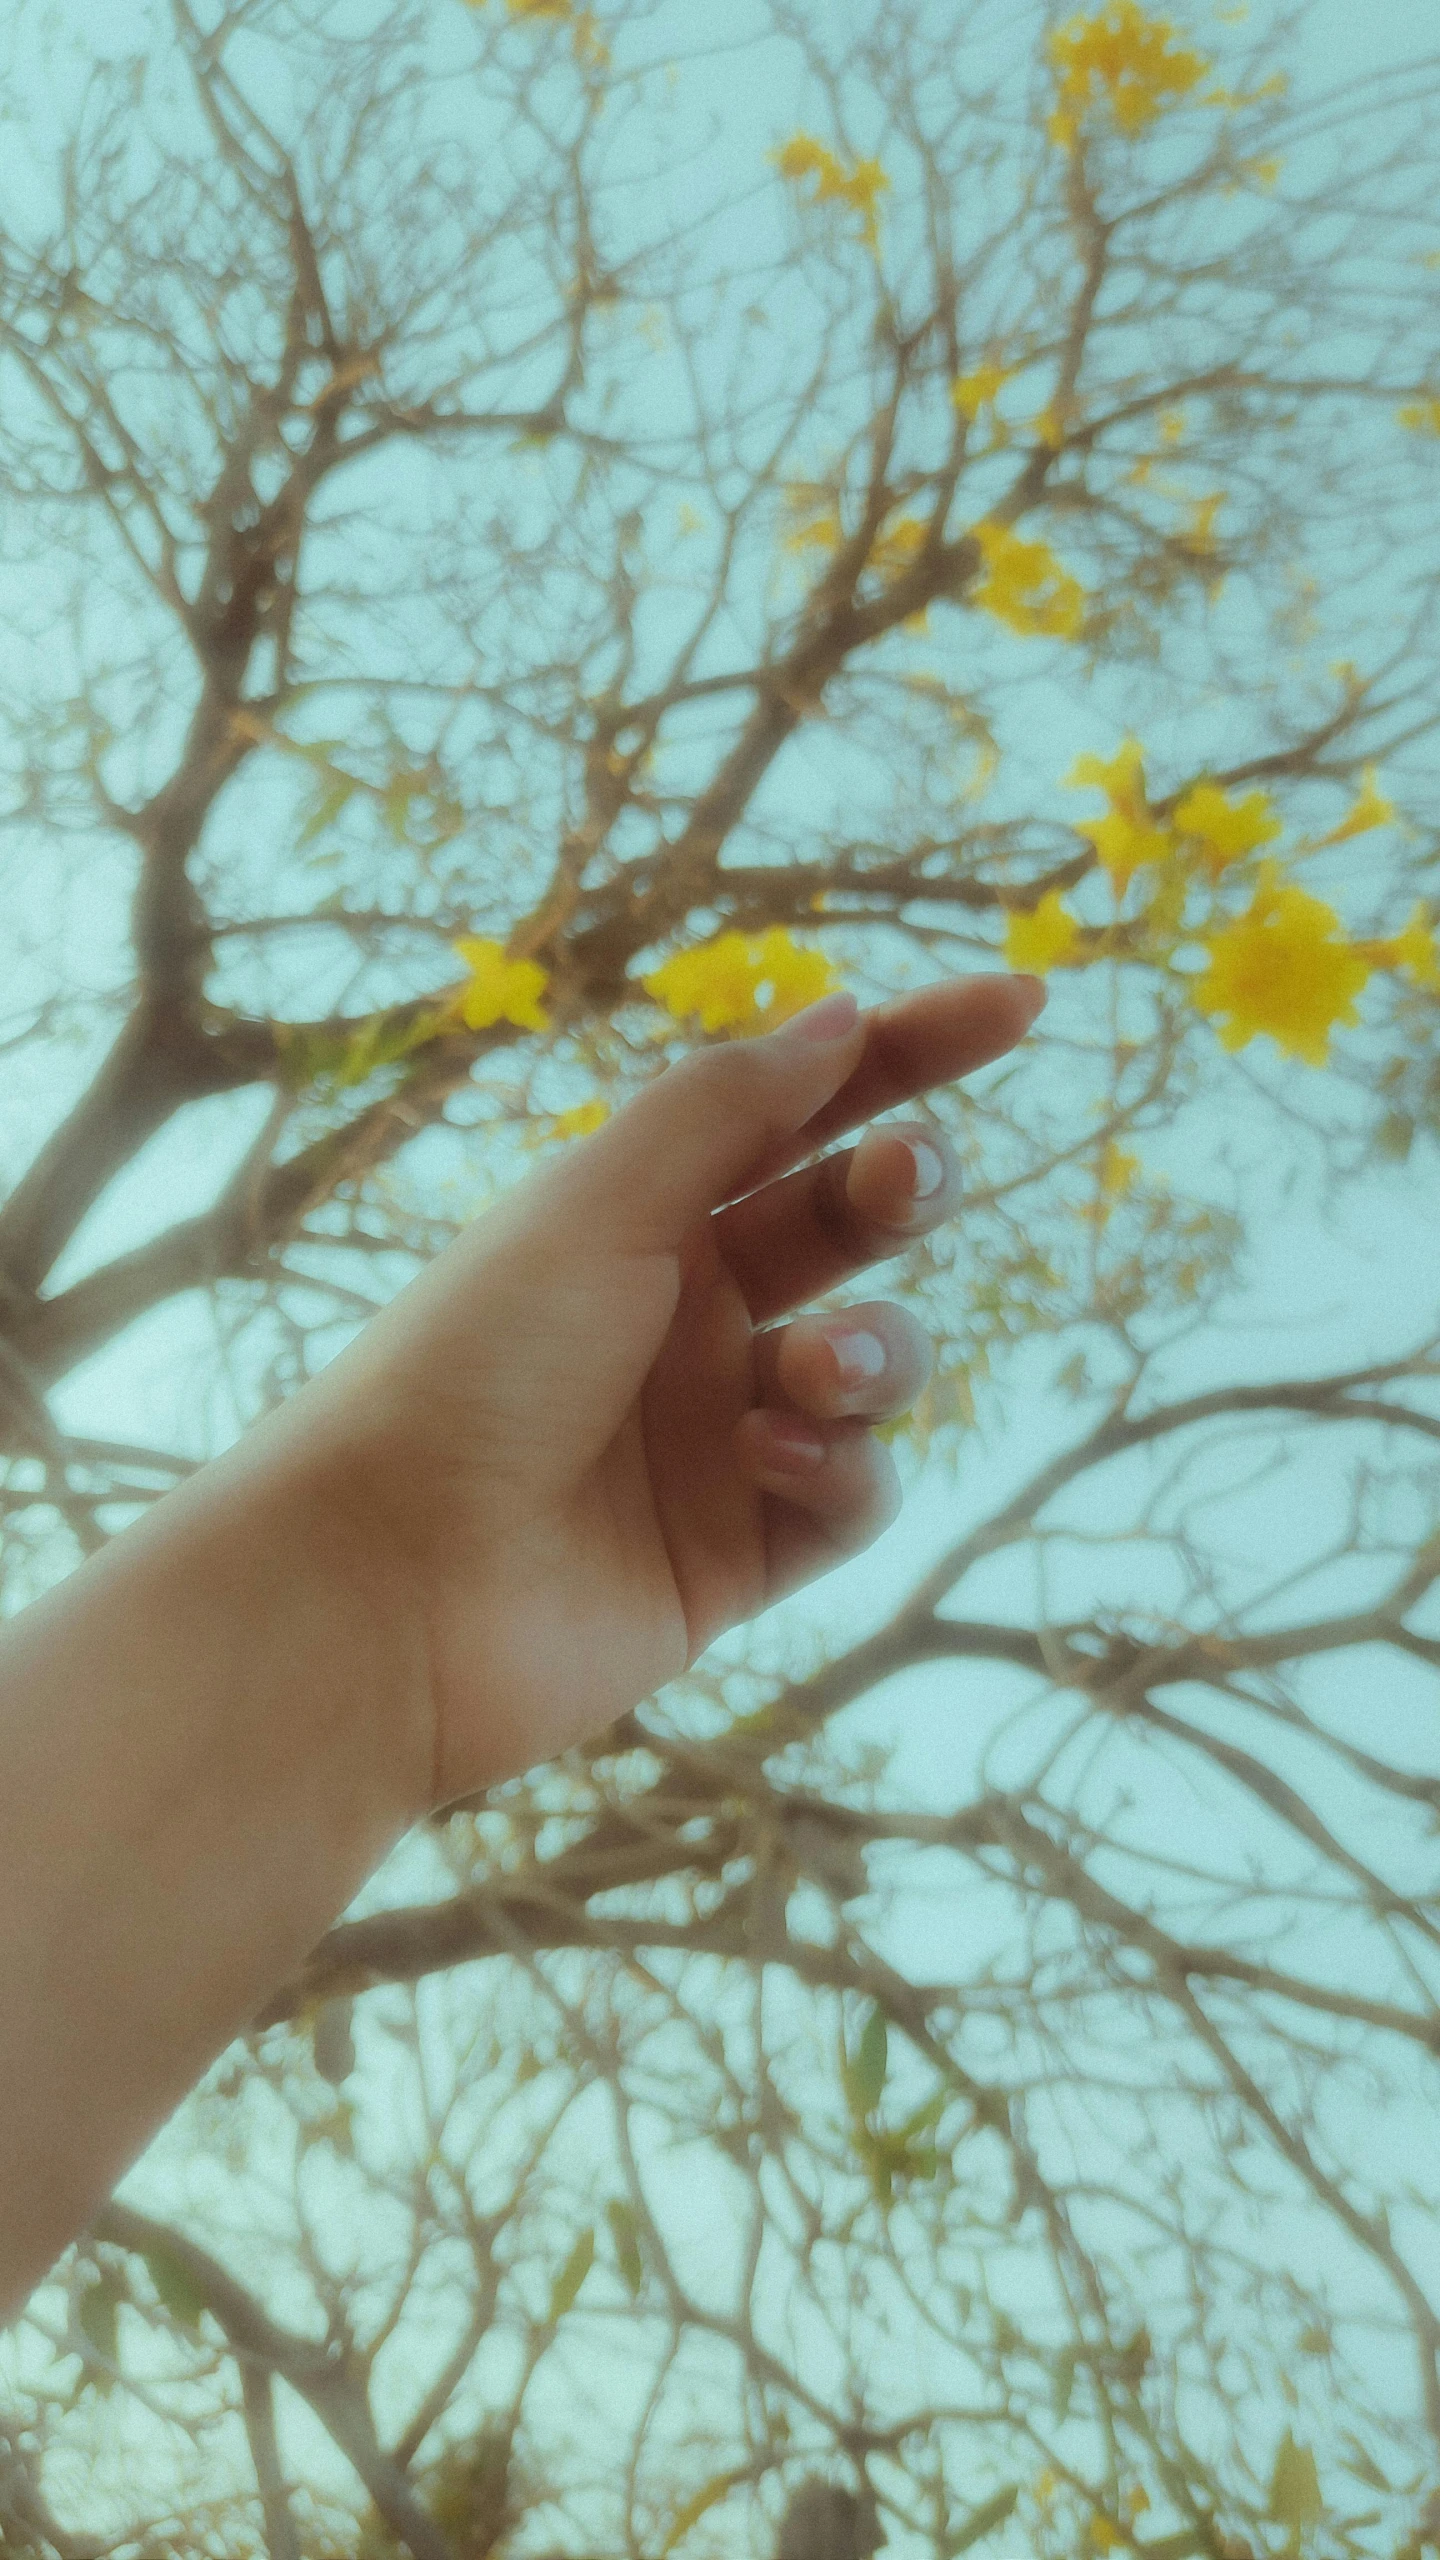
(210,1734)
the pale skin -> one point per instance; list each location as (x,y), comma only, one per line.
(594,1434)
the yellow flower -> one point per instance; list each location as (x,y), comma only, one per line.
(1412,950)
(1103,2534)
(1122,780)
(1041,937)
(1224,829)
(896,547)
(1025,586)
(1128,836)
(1198,537)
(1415,951)
(1122,60)
(1116,1170)
(973,392)
(1125,844)
(818,527)
(579,1122)
(1422,417)
(723,981)
(1370,809)
(1048,428)
(500,990)
(860,186)
(1283,968)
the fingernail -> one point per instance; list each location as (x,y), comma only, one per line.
(794,1447)
(833,1018)
(929,1169)
(859,1356)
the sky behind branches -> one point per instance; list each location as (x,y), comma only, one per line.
(1324,1286)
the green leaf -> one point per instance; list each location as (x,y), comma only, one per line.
(694,2508)
(336,790)
(573,2274)
(99,2317)
(984,2520)
(396,798)
(625,2232)
(1364,2466)
(362,1056)
(1295,2499)
(176,2287)
(918,2160)
(926,2117)
(865,2068)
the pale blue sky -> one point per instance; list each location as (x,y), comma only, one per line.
(1323,1286)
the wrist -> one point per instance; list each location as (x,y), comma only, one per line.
(212,1734)
(285,1520)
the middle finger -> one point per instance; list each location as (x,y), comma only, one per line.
(803,1235)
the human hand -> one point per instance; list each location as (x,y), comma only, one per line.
(580,1446)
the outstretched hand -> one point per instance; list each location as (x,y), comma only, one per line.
(581,1445)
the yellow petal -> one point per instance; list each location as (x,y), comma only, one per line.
(579,1122)
(501,990)
(1371,809)
(1041,937)
(1122,780)
(1225,829)
(974,391)
(1124,844)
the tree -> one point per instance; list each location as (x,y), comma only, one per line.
(516,581)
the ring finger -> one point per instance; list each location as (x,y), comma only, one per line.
(871,1360)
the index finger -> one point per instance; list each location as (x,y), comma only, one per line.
(912,1044)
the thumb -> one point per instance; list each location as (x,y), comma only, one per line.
(689,1141)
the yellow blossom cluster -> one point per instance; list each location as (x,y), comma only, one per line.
(742,982)
(1284,966)
(860,186)
(1025,586)
(1127,836)
(500,989)
(1422,417)
(1205,826)
(1123,62)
